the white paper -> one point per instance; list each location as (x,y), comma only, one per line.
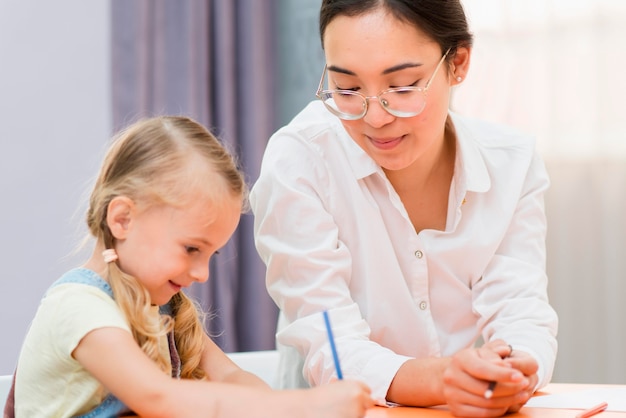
(583,399)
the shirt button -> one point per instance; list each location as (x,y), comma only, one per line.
(423,305)
(419,254)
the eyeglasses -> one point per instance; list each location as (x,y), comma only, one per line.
(401,102)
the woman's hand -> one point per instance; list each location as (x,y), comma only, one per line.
(528,366)
(471,370)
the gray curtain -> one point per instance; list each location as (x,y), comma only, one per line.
(300,55)
(212,60)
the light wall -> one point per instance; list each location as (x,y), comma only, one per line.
(548,67)
(54,123)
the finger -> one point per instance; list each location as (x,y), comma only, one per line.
(492,368)
(492,352)
(467,404)
(514,408)
(499,347)
(482,365)
(523,362)
(520,390)
(464,375)
(460,398)
(505,351)
(475,411)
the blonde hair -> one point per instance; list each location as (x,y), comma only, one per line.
(156,161)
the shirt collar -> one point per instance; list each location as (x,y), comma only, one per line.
(470,169)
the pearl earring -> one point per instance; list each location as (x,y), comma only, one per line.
(459,78)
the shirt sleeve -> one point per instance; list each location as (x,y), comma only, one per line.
(309,269)
(511,298)
(76,310)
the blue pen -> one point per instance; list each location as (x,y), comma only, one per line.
(331,339)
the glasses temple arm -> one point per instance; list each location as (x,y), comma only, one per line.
(319,87)
(437,69)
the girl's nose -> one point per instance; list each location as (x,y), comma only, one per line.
(200,272)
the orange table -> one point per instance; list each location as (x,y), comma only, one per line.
(441,412)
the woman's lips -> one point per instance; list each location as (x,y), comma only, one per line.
(386,143)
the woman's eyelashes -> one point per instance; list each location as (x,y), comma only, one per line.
(390,86)
(337,87)
(413,84)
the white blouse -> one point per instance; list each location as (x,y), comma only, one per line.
(335,236)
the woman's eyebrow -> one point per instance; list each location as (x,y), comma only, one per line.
(336,69)
(402,67)
(386,71)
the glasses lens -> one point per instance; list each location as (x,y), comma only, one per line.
(403,102)
(345,104)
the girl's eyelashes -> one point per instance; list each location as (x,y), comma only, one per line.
(191,250)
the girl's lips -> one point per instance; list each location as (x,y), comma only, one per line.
(175,286)
(385,143)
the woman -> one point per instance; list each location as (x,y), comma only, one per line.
(418,229)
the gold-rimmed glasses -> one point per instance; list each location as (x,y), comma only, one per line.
(401,102)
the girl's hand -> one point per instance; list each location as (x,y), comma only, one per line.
(340,399)
(467,378)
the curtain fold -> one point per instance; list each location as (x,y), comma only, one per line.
(212,60)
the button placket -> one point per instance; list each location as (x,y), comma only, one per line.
(423,304)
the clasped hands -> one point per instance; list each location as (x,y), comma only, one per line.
(467,378)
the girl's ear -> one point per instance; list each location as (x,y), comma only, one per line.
(120,212)
(460,64)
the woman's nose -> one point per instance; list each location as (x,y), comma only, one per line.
(376,115)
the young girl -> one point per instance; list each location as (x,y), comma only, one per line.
(168,196)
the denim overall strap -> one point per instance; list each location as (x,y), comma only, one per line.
(84,276)
(171,342)
(110,405)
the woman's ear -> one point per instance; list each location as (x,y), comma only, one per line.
(460,64)
(120,212)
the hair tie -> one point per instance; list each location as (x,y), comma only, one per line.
(109,255)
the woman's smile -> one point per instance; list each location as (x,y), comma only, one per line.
(386,143)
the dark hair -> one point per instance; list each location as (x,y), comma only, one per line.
(444,21)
